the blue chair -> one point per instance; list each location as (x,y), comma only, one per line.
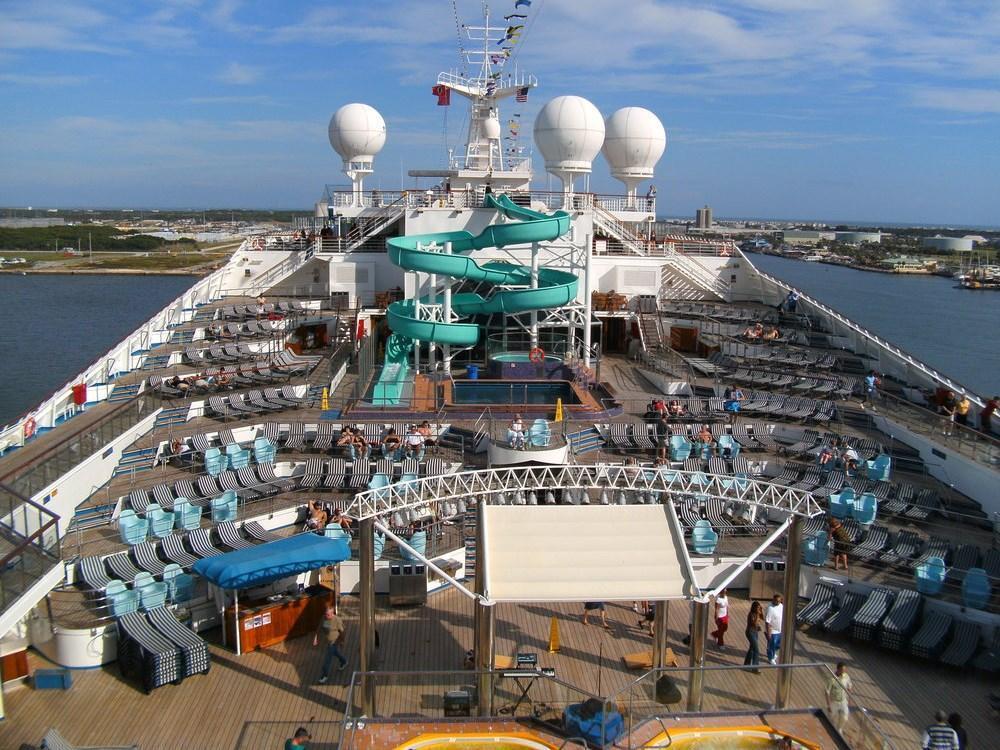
(152,593)
(728,448)
(238,457)
(419,543)
(599,730)
(700,480)
(224,507)
(395,454)
(186,515)
(976,589)
(865,509)
(930,575)
(263,451)
(121,599)
(215,462)
(879,468)
(704,538)
(539,434)
(842,503)
(180,585)
(680,448)
(133,529)
(669,476)
(161,523)
(816,549)
(379,546)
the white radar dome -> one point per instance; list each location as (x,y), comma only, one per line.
(491,128)
(634,141)
(357,132)
(569,131)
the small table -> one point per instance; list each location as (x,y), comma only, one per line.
(531,676)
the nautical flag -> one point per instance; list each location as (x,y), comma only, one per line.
(443,93)
(511,30)
(522,94)
(522,3)
(514,15)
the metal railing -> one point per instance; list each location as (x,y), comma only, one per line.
(32,532)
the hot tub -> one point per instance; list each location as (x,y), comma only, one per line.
(519,365)
(513,392)
(727,738)
(472,741)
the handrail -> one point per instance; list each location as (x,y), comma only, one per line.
(896,351)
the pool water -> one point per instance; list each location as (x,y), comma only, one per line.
(475,742)
(522,358)
(513,392)
(720,739)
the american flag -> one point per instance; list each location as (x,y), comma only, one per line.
(522,94)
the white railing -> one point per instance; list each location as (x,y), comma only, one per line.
(495,486)
(891,349)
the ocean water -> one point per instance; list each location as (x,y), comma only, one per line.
(55,326)
(956,331)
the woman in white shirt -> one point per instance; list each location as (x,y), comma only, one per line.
(721,618)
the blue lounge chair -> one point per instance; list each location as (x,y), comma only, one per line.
(976,589)
(238,457)
(816,549)
(133,529)
(704,538)
(879,468)
(539,434)
(186,515)
(379,546)
(263,451)
(728,448)
(842,503)
(419,543)
(680,448)
(121,599)
(215,462)
(152,593)
(161,523)
(224,507)
(930,575)
(180,585)
(865,509)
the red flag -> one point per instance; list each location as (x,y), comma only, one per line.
(443,93)
(522,94)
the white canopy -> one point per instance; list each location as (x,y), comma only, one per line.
(577,553)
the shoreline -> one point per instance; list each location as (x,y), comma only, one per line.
(869,269)
(101,272)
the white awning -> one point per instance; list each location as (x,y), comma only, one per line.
(583,553)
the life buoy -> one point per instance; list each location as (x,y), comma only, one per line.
(29,428)
(537,355)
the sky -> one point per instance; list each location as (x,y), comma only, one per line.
(874,110)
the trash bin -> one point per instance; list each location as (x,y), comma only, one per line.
(473,372)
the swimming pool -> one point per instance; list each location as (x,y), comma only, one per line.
(516,357)
(727,738)
(513,392)
(514,741)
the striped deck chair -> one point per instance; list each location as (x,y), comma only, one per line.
(929,641)
(901,621)
(172,548)
(265,472)
(200,541)
(324,436)
(874,543)
(92,572)
(964,644)
(121,566)
(904,549)
(229,480)
(618,434)
(138,500)
(163,496)
(823,601)
(208,487)
(248,483)
(274,396)
(833,483)
(146,654)
(288,392)
(296,438)
(840,619)
(144,554)
(200,442)
(194,650)
(230,536)
(924,505)
(253,530)
(642,438)
(259,402)
(965,557)
(185,488)
(336,474)
(313,474)
(900,501)
(361,475)
(935,547)
(434,467)
(218,406)
(688,512)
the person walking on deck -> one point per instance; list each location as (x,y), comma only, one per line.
(721,619)
(772,627)
(334,630)
(754,620)
(940,735)
(837,690)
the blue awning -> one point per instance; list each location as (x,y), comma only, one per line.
(271,561)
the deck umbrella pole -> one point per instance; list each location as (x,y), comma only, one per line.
(484,623)
(659,633)
(786,654)
(699,631)
(236,619)
(366,619)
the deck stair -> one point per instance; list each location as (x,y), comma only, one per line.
(181,337)
(363,231)
(694,273)
(205,316)
(618,230)
(649,330)
(124,393)
(134,461)
(156,361)
(171,417)
(585,441)
(458,439)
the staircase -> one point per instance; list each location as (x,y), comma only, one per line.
(205,316)
(156,361)
(585,441)
(171,417)
(122,393)
(649,330)
(610,225)
(367,228)
(135,461)
(694,273)
(181,337)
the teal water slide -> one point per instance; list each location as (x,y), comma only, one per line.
(425,253)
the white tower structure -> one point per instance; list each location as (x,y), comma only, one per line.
(569,131)
(357,133)
(634,141)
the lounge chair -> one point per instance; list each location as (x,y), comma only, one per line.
(869,616)
(146,654)
(964,644)
(976,589)
(930,575)
(703,538)
(193,648)
(132,528)
(929,641)
(901,621)
(121,599)
(816,549)
(823,600)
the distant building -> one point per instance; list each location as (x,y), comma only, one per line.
(703,218)
(858,238)
(948,244)
(29,223)
(805,236)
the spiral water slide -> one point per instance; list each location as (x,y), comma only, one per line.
(426,253)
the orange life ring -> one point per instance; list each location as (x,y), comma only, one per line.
(29,428)
(537,355)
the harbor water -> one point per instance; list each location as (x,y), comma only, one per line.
(55,326)
(956,331)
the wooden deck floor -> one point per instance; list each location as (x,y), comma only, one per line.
(257,700)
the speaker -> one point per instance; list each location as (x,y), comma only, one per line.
(458,703)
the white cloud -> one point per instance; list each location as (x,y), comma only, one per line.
(239,74)
(968,100)
(28,79)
